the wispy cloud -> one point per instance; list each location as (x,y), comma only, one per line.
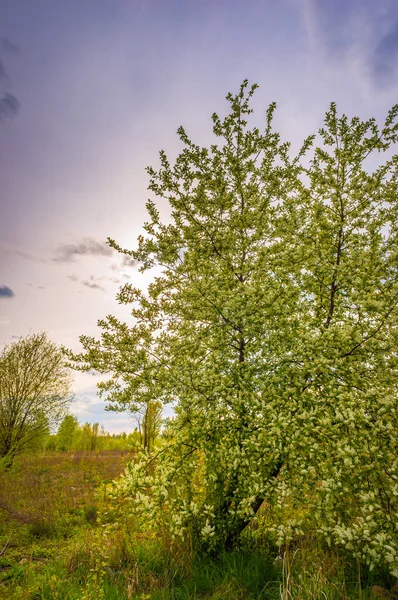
(89,408)
(385,56)
(12,252)
(128,261)
(6,292)
(91,283)
(88,247)
(28,256)
(9,106)
(361,32)
(3,72)
(94,282)
(8,46)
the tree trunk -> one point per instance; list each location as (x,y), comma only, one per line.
(232,539)
(7,460)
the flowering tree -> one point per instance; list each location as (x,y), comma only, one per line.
(272,329)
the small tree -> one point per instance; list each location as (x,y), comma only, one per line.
(94,437)
(149,421)
(34,392)
(85,435)
(90,437)
(67,431)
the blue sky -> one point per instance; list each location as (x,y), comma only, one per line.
(91,90)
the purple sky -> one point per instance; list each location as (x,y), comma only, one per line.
(91,90)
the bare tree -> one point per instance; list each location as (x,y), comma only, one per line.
(34,392)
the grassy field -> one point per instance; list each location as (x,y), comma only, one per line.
(62,537)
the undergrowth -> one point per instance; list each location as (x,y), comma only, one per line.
(62,538)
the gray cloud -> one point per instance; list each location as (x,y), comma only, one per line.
(93,281)
(385,56)
(92,285)
(88,247)
(363,29)
(127,261)
(9,106)
(25,255)
(28,256)
(105,278)
(3,72)
(6,292)
(8,46)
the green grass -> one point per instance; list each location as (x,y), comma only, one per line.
(61,538)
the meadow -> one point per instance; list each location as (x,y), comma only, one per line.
(63,536)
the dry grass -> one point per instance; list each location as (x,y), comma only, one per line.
(44,500)
(42,487)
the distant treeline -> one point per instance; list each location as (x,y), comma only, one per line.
(72,435)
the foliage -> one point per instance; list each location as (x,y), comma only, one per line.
(149,420)
(34,392)
(271,329)
(67,432)
(112,355)
(68,539)
(89,437)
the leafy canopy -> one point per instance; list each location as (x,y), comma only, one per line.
(34,392)
(272,329)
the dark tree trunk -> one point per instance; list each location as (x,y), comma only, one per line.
(232,539)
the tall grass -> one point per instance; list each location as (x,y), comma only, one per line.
(62,538)
(48,486)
